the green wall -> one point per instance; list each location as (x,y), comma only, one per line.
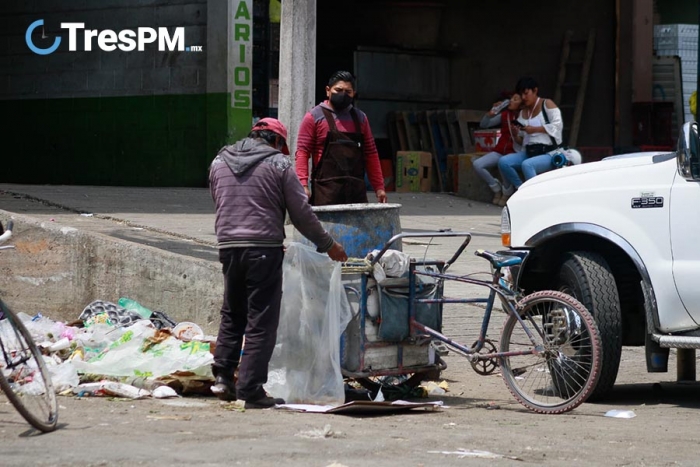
(130,141)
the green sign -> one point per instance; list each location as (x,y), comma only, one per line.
(240,68)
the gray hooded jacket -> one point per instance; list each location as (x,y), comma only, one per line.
(252,185)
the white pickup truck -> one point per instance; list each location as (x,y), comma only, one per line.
(619,235)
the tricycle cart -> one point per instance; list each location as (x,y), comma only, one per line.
(549,352)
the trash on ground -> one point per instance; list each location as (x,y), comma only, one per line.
(183,403)
(144,350)
(109,313)
(164,392)
(325,432)
(432,388)
(110,388)
(380,396)
(463,453)
(63,375)
(356,407)
(186,331)
(170,417)
(620,414)
(488,405)
(187,382)
(123,350)
(133,305)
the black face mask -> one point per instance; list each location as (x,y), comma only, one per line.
(340,100)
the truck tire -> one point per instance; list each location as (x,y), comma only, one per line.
(587,277)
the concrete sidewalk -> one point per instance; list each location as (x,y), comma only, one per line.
(177,271)
(181,220)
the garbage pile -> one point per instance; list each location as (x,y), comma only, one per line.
(124,350)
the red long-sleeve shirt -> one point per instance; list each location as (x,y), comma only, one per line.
(312,137)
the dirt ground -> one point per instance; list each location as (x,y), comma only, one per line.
(204,431)
(480,414)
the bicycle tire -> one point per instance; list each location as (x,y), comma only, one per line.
(564,370)
(24,378)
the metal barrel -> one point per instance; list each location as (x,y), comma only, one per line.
(360,228)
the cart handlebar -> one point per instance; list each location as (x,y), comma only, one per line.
(467,238)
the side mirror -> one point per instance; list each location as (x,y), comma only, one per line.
(688,154)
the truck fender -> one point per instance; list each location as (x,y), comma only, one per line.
(554,231)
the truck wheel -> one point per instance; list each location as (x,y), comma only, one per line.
(587,277)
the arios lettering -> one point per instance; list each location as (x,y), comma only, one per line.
(242,93)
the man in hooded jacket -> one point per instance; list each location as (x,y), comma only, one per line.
(253,184)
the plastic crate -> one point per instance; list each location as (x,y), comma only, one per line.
(665,30)
(676,42)
(688,66)
(486,140)
(684,54)
(676,39)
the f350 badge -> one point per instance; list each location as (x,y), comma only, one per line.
(647,200)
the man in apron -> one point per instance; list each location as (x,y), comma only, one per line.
(338,139)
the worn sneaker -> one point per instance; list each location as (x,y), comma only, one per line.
(223,389)
(264,402)
(504,199)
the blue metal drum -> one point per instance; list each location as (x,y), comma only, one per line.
(360,228)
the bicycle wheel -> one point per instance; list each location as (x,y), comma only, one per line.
(561,371)
(24,378)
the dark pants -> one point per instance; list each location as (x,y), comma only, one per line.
(252,297)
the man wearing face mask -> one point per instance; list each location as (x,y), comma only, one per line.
(338,139)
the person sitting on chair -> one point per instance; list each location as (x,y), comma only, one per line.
(507,143)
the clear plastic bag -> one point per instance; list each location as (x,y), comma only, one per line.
(305,366)
(64,376)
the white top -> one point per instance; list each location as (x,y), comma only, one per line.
(554,128)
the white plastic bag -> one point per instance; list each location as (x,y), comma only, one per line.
(393,262)
(139,353)
(64,376)
(305,366)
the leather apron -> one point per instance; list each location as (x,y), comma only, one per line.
(339,177)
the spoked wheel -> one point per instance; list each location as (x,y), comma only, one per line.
(563,369)
(24,378)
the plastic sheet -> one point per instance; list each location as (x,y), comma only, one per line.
(143,351)
(305,366)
